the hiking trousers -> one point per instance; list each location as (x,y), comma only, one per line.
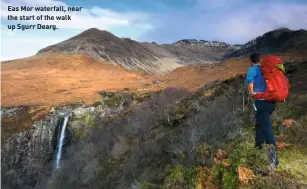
(264,130)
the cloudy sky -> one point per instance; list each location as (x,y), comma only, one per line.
(163,21)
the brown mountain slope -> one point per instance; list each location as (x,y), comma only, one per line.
(158,59)
(55,79)
(192,77)
(104,46)
(52,79)
(133,55)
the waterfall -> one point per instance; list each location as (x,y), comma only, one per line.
(60,143)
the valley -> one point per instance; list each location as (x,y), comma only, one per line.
(98,111)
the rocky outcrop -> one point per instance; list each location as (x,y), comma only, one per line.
(83,111)
(25,154)
(215,45)
(28,154)
(12,111)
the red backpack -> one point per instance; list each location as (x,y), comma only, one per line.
(276,82)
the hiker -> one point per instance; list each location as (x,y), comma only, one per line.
(256,85)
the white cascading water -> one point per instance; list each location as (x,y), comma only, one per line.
(60,146)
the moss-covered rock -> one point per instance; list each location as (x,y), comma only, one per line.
(90,121)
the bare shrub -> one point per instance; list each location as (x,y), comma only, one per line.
(215,119)
(90,159)
(151,142)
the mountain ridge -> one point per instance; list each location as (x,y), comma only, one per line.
(156,58)
(133,55)
(279,40)
(103,45)
(208,43)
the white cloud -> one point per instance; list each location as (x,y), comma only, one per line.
(87,18)
(236,21)
(16,45)
(20,44)
(254,21)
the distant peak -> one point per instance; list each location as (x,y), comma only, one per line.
(202,43)
(93,29)
(93,32)
(189,41)
(126,38)
(282,29)
(279,31)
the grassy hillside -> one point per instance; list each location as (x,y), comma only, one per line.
(180,140)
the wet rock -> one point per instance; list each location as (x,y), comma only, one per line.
(68,137)
(25,153)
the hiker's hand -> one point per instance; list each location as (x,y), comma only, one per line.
(252,95)
(257,95)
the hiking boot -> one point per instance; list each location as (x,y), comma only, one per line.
(273,159)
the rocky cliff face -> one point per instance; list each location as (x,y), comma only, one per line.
(25,154)
(192,51)
(216,45)
(28,157)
